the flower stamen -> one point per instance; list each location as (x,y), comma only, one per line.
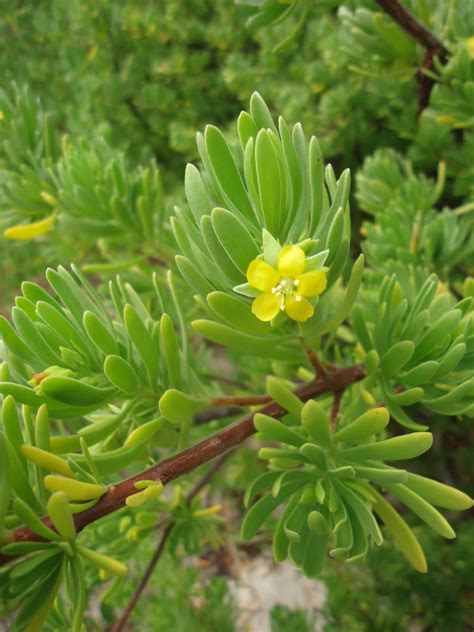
(286,288)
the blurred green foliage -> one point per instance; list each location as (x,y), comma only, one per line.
(136,80)
(387,595)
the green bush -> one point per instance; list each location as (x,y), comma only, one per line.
(149,327)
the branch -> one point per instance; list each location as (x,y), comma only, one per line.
(433,46)
(314,361)
(198,487)
(144,580)
(412,26)
(186,461)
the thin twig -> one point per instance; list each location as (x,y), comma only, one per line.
(412,25)
(315,362)
(144,580)
(433,46)
(188,460)
(198,487)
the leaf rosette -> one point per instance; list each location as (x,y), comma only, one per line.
(330,482)
(273,194)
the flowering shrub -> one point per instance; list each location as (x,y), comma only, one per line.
(356,345)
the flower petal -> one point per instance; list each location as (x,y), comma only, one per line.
(312,283)
(291,261)
(266,306)
(298,308)
(262,276)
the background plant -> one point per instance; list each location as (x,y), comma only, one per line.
(104,377)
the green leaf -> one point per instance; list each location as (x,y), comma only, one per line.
(396,358)
(279,391)
(74,392)
(349,298)
(226,172)
(438,493)
(99,333)
(12,427)
(316,423)
(316,455)
(362,511)
(170,350)
(19,479)
(236,313)
(401,532)
(273,430)
(271,248)
(62,326)
(451,360)
(23,548)
(5,484)
(145,432)
(34,611)
(422,509)
(246,127)
(260,112)
(439,330)
(73,489)
(143,342)
(196,194)
(121,373)
(280,539)
(419,374)
(316,167)
(109,564)
(380,476)
(79,591)
(263,508)
(371,361)
(70,293)
(408,397)
(178,407)
(193,276)
(242,342)
(315,555)
(33,522)
(359,325)
(61,516)
(366,425)
(393,449)
(33,338)
(225,265)
(14,343)
(110,462)
(258,484)
(46,460)
(269,181)
(335,235)
(235,238)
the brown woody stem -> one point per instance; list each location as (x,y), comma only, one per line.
(433,46)
(188,460)
(412,26)
(314,361)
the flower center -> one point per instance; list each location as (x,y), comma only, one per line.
(286,287)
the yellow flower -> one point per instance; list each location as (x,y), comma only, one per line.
(286,288)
